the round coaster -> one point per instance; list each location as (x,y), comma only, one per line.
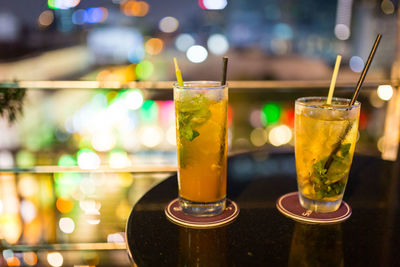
(175,214)
(289,205)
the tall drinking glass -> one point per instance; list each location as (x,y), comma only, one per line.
(325,139)
(201,135)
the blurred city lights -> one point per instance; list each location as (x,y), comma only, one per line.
(30,258)
(197,54)
(66,161)
(135,8)
(87,159)
(280,135)
(184,41)
(213,4)
(258,137)
(103,141)
(115,238)
(218,44)
(171,135)
(66,225)
(134,99)
(8,253)
(154,46)
(119,159)
(96,14)
(46,18)
(6,159)
(90,206)
(62,4)
(55,259)
(64,205)
(283,31)
(385,92)
(13,261)
(28,211)
(151,136)
(356,64)
(342,32)
(137,54)
(343,19)
(270,113)
(387,7)
(79,17)
(25,159)
(87,186)
(255,118)
(144,70)
(168,24)
(27,185)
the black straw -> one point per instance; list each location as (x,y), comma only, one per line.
(365,70)
(224,70)
(353,100)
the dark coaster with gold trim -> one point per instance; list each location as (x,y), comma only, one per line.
(175,214)
(289,205)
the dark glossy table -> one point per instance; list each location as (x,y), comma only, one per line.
(261,235)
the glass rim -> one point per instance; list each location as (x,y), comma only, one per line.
(301,101)
(195,85)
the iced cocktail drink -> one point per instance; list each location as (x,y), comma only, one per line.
(325,139)
(201,134)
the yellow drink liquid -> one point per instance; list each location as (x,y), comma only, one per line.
(318,131)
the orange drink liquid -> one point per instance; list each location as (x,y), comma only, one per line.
(201,134)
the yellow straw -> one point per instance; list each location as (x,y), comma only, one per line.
(178,73)
(333,81)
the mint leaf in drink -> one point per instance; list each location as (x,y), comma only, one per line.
(192,113)
(331,183)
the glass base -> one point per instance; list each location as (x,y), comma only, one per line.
(202,209)
(319,206)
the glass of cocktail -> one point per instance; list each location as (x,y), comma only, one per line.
(201,135)
(325,139)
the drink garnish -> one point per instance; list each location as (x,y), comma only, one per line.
(192,114)
(329,184)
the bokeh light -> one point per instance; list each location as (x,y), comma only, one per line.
(385,92)
(64,205)
(258,137)
(118,159)
(30,258)
(213,4)
(55,259)
(13,261)
(270,113)
(66,225)
(280,135)
(66,160)
(79,17)
(197,54)
(184,41)
(154,46)
(168,24)
(135,8)
(62,4)
(387,7)
(103,141)
(342,32)
(46,18)
(283,31)
(356,64)
(171,135)
(218,44)
(6,159)
(144,70)
(87,159)
(27,185)
(96,14)
(133,99)
(25,159)
(151,136)
(28,211)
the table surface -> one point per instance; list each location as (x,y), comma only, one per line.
(261,235)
